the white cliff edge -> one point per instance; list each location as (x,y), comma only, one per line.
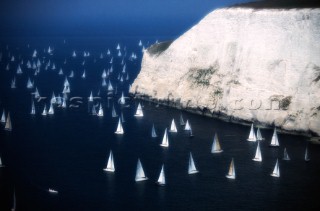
(252,65)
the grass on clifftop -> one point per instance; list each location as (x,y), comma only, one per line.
(280,4)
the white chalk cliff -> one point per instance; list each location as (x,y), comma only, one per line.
(252,65)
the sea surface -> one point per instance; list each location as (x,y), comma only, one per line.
(68,150)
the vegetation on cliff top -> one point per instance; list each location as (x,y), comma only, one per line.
(158,48)
(280,4)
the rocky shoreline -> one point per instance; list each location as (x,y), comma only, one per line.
(312,137)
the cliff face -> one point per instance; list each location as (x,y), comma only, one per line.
(254,65)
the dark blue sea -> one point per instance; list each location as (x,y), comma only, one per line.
(68,150)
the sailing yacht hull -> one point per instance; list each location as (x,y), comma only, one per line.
(141,179)
(193,172)
(257,159)
(273,145)
(252,139)
(231,176)
(160,184)
(275,175)
(164,145)
(108,169)
(217,151)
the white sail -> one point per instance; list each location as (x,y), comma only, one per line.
(258,156)
(165,139)
(8,125)
(173,127)
(13,83)
(187,126)
(14,202)
(153,132)
(29,84)
(91,97)
(122,100)
(71,74)
(33,109)
(100,112)
(232,172)
(44,112)
(259,136)
(306,155)
(36,93)
(3,117)
(64,103)
(110,165)
(1,164)
(252,135)
(34,55)
(216,147)
(53,99)
(83,74)
(139,112)
(140,43)
(276,171)
(119,128)
(192,168)
(60,72)
(285,154)
(140,176)
(51,110)
(19,70)
(104,83)
(66,82)
(181,120)
(114,113)
(93,110)
(110,87)
(274,139)
(162,179)
(74,54)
